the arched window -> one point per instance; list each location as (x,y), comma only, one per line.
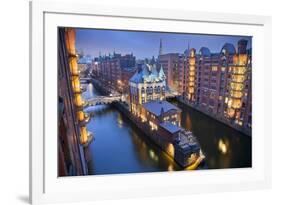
(155,89)
(147,90)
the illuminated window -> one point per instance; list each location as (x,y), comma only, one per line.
(214,68)
(226,100)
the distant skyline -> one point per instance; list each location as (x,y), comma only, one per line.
(146,44)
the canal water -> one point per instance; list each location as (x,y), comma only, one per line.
(120,147)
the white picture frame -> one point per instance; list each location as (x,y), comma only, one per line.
(46,187)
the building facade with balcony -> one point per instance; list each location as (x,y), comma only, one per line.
(73,136)
(222,84)
(218,84)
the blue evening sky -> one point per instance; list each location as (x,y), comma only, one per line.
(146,44)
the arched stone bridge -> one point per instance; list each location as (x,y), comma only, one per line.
(101,100)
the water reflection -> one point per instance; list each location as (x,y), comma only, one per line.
(120,147)
(223,146)
(119,120)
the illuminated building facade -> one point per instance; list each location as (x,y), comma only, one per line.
(191,72)
(240,86)
(222,84)
(160,113)
(218,84)
(145,85)
(114,70)
(159,118)
(73,136)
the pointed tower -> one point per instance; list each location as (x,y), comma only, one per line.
(160,47)
(161,73)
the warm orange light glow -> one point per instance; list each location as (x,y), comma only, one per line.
(73,66)
(214,68)
(191,84)
(239,70)
(78,100)
(236,86)
(236,103)
(80,115)
(191,90)
(222,146)
(192,61)
(171,149)
(238,78)
(76,84)
(192,159)
(192,73)
(230,112)
(70,40)
(236,94)
(191,76)
(84,135)
(240,59)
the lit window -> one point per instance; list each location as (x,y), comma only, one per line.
(226,99)
(214,68)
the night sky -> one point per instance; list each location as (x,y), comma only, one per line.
(146,44)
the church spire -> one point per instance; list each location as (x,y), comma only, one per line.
(160,47)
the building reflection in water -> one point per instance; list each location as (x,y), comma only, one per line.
(223,146)
(119,120)
(188,123)
(150,154)
(120,147)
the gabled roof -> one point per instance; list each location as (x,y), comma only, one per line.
(229,48)
(161,73)
(205,52)
(148,73)
(157,107)
(170,127)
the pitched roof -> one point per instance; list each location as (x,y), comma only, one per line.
(205,52)
(157,107)
(170,127)
(148,73)
(230,49)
